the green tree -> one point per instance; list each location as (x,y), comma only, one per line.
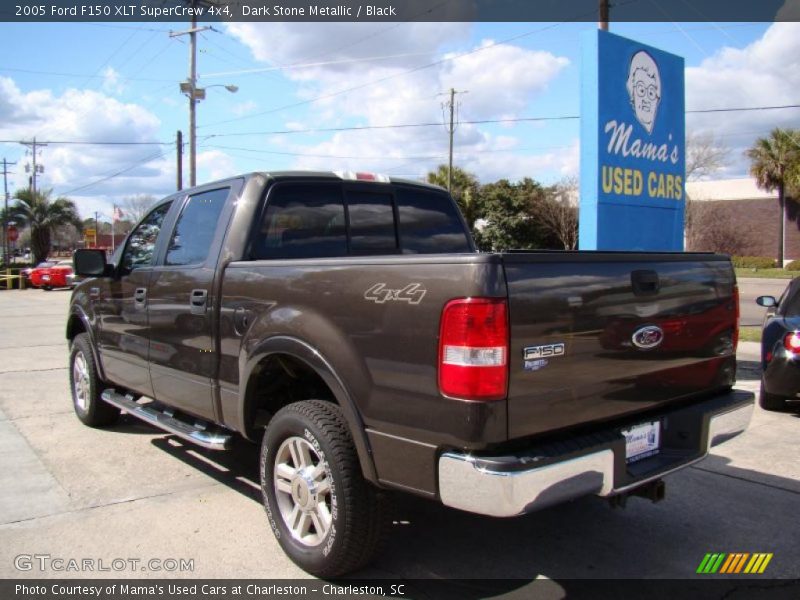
(775,163)
(464,192)
(507,217)
(43,214)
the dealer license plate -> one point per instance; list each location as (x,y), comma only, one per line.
(642,441)
(45,277)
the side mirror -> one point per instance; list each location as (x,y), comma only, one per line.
(766,301)
(90,263)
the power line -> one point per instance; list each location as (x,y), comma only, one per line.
(387,77)
(90,143)
(117,173)
(471,122)
(84,75)
(379,127)
(302,154)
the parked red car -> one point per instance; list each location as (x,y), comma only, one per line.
(51,274)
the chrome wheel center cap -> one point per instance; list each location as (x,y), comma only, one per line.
(303,492)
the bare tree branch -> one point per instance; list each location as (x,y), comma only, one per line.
(135,207)
(704,155)
(557,212)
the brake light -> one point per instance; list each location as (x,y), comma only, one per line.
(362,176)
(473,349)
(792,342)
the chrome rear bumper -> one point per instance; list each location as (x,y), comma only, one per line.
(507,486)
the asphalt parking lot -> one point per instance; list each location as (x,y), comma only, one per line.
(131,492)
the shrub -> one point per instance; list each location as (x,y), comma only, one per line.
(793,266)
(753,262)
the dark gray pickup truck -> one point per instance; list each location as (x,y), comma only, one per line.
(347,321)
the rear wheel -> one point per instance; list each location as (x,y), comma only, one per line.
(770,401)
(327,518)
(86,387)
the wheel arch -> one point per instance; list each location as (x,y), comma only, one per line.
(79,322)
(308,356)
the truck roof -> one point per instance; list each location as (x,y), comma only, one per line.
(301,174)
(291,174)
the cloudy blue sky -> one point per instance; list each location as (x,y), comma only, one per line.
(119,82)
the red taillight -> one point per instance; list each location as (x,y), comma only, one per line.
(473,349)
(792,342)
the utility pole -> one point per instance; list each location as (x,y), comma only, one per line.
(6,173)
(189,87)
(179,149)
(33,145)
(451,130)
(604,9)
(96,228)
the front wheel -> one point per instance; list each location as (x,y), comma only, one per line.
(86,386)
(327,518)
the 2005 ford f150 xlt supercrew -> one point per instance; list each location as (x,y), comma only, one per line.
(347,321)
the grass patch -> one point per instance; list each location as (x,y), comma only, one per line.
(750,334)
(766,273)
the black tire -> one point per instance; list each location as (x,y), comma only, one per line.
(47,288)
(770,401)
(358,511)
(89,407)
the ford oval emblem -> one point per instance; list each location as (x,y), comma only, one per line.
(648,337)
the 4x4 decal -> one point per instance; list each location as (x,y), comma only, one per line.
(413,293)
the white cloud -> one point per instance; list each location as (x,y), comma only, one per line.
(501,81)
(244,108)
(214,164)
(764,73)
(78,115)
(112,83)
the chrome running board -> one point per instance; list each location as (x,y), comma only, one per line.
(200,433)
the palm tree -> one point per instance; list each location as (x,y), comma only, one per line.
(43,214)
(775,163)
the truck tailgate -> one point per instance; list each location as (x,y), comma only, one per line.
(596,336)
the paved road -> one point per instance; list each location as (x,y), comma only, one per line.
(130,492)
(749,290)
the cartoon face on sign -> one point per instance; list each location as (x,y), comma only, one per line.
(644,88)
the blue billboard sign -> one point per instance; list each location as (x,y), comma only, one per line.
(632,146)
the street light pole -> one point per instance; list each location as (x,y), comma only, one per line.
(193,102)
(194,93)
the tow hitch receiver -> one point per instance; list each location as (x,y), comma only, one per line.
(655,491)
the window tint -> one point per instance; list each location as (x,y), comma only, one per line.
(302,221)
(790,301)
(371,223)
(429,223)
(194,233)
(142,241)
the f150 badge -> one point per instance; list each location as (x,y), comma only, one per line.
(538,357)
(546,351)
(413,293)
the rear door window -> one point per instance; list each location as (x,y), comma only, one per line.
(371,218)
(302,221)
(429,223)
